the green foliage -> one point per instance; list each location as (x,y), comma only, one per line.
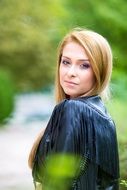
(6,96)
(118,111)
(66,167)
(124,183)
(60,169)
(31,30)
(119,84)
(26,39)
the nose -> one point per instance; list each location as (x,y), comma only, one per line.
(72,71)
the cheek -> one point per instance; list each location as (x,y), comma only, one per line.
(88,78)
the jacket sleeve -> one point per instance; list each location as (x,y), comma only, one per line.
(65,160)
(68,160)
(58,154)
(68,129)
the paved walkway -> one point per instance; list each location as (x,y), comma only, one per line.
(15,144)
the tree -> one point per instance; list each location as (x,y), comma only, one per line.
(6,96)
(27,47)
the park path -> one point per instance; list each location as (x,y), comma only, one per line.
(15,144)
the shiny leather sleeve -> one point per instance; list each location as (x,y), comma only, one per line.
(61,139)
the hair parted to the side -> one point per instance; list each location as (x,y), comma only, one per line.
(99,52)
(100,55)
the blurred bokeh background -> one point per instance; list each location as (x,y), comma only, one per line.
(30,32)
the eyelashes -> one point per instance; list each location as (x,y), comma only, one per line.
(84,65)
(65,62)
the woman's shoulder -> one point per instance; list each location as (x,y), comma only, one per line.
(93,104)
(73,104)
(72,108)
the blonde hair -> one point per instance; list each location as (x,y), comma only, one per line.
(99,52)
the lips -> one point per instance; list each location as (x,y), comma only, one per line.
(70,82)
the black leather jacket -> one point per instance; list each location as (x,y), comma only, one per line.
(80,127)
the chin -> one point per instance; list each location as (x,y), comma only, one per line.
(70,95)
(73,95)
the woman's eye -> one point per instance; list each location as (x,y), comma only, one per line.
(85,65)
(65,62)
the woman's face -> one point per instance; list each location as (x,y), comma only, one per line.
(76,74)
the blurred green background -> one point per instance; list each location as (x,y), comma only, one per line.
(29,35)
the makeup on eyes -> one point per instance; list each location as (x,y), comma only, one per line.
(83,63)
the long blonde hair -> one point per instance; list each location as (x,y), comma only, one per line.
(100,55)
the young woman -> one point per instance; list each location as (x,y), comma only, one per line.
(78,150)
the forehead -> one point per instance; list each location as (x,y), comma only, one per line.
(75,50)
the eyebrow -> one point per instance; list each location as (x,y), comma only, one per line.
(78,59)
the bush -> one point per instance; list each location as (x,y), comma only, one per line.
(119,84)
(118,111)
(6,95)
